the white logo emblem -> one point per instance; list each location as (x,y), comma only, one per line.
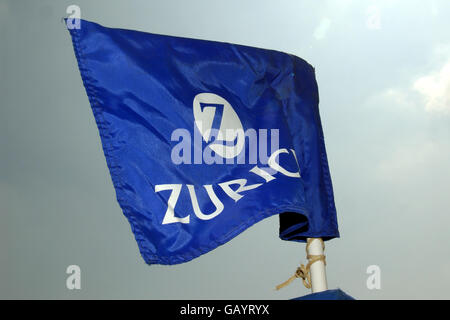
(212,112)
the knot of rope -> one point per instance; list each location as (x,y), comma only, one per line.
(302,271)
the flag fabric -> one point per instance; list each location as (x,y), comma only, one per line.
(203,139)
(335,294)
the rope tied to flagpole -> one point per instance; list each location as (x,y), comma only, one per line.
(303,271)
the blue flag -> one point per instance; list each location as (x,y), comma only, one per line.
(203,139)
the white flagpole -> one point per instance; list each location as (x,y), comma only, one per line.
(313,275)
(317,269)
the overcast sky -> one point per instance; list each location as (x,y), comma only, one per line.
(383,69)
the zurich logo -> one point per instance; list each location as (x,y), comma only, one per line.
(212,112)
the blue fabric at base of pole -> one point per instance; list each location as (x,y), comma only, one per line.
(336,294)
